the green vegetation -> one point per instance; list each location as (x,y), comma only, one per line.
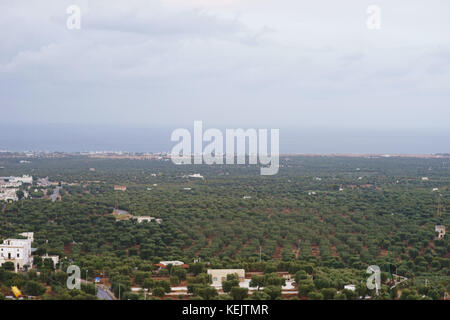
(323,220)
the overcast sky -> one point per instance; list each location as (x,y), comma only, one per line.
(249,63)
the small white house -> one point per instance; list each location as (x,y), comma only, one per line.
(174,263)
(350,287)
(440,229)
(219,275)
(196,175)
(55,259)
(141,219)
(28,235)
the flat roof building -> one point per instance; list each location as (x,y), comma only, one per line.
(54,258)
(219,275)
(164,264)
(440,229)
(17,251)
(120,188)
(8,194)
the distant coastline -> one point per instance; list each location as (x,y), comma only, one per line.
(165,155)
(304,141)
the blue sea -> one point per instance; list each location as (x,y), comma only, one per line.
(82,138)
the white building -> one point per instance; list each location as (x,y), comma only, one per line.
(24,179)
(174,263)
(219,275)
(14,182)
(18,181)
(8,194)
(195,175)
(17,251)
(55,259)
(120,188)
(350,287)
(440,229)
(28,235)
(141,219)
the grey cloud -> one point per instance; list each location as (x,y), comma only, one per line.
(284,62)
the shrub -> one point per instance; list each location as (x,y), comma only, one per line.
(239,293)
(158,292)
(34,288)
(315,296)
